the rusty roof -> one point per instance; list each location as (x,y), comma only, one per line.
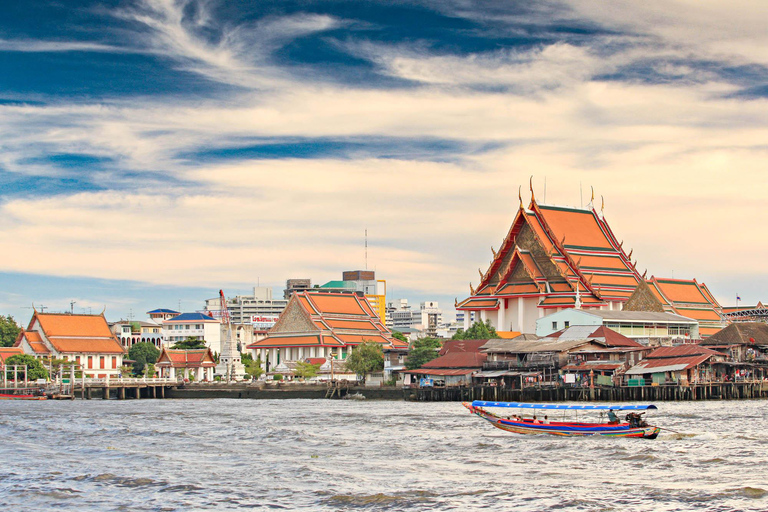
(740,333)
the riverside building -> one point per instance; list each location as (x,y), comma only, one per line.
(85,340)
(552,258)
(318,324)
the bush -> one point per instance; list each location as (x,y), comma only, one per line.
(277,376)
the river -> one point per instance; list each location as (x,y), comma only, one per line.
(184,455)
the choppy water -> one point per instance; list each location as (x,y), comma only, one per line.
(182,455)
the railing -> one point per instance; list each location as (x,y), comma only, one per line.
(126,380)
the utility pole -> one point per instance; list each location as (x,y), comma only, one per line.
(72,307)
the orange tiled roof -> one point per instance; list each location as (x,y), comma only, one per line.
(54,324)
(6,352)
(580,227)
(366,325)
(193,358)
(34,341)
(699,314)
(32,336)
(705,331)
(681,291)
(356,339)
(86,345)
(345,304)
(327,317)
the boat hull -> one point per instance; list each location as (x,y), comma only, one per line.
(567,429)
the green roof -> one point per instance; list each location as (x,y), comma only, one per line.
(347,285)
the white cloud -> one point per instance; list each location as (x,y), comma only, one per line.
(679,165)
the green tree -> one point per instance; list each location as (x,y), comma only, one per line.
(9,331)
(365,358)
(306,370)
(150,370)
(399,336)
(143,354)
(190,343)
(35,369)
(422,351)
(150,352)
(478,331)
(252,366)
(139,364)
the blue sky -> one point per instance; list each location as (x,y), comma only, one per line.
(153,151)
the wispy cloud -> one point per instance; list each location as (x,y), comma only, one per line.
(630,105)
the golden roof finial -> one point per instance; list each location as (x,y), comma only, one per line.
(493,251)
(603,206)
(629,256)
(455,302)
(520,195)
(533,196)
(644,273)
(471,289)
(481,274)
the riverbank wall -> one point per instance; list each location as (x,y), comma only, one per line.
(249,391)
(713,391)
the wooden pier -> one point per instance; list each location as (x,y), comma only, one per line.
(663,393)
(121,389)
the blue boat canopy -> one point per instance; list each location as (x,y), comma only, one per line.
(521,405)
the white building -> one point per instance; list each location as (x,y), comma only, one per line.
(259,310)
(193,325)
(401,317)
(646,327)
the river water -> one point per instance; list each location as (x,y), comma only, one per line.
(183,455)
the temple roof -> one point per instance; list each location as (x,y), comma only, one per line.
(327,320)
(560,255)
(6,352)
(685,297)
(66,333)
(193,358)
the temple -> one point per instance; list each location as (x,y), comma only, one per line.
(322,325)
(552,258)
(85,340)
(684,297)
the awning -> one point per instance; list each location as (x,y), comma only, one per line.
(504,373)
(656,369)
(520,405)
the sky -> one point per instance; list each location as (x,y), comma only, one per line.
(155,151)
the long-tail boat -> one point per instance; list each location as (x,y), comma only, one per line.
(633,425)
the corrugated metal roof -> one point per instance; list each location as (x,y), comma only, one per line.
(638,370)
(577,332)
(543,345)
(647,316)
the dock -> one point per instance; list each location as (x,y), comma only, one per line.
(664,393)
(121,389)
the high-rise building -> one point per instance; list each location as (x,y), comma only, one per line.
(362,282)
(296,285)
(259,310)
